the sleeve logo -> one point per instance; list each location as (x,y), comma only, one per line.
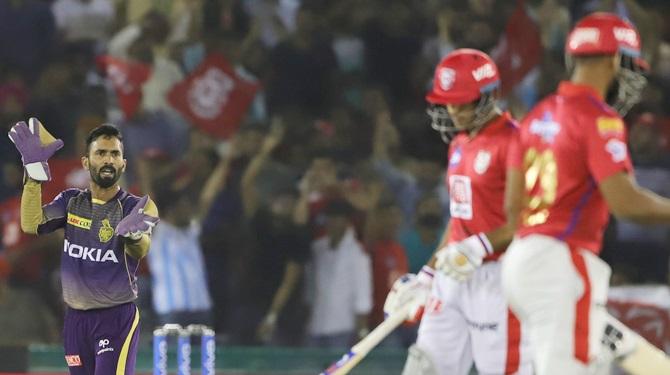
(617,150)
(609,125)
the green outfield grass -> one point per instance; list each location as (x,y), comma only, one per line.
(244,360)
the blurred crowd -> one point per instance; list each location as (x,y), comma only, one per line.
(286,145)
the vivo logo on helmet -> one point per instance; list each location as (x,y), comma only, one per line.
(86,253)
(583,35)
(483,72)
(626,35)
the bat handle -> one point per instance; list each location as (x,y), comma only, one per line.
(363,347)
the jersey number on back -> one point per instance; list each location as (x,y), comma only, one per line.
(541,183)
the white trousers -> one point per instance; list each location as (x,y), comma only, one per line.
(559,295)
(469,321)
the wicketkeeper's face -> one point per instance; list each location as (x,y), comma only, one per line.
(105,161)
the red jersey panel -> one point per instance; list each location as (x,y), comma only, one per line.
(476,178)
(569,143)
(389,262)
(29,269)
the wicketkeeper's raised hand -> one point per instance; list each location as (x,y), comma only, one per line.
(137,222)
(35,148)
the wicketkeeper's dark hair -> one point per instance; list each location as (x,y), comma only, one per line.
(104,130)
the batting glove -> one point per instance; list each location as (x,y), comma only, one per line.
(459,260)
(410,289)
(34,153)
(137,222)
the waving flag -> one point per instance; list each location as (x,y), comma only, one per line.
(519,49)
(127,77)
(214,97)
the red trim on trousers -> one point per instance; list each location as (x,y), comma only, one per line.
(582,309)
(513,343)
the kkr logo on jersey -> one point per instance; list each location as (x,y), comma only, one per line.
(86,253)
(106,231)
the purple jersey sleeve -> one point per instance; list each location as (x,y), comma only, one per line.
(55,212)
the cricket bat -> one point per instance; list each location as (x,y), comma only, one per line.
(646,359)
(363,347)
(640,357)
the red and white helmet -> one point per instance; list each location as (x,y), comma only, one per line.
(606,34)
(463,76)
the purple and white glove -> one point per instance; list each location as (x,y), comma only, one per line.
(34,154)
(137,222)
(459,260)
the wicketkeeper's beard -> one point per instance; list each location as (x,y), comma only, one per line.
(110,177)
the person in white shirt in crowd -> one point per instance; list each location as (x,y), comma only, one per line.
(341,284)
(84,20)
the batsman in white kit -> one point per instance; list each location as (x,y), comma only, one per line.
(576,167)
(465,317)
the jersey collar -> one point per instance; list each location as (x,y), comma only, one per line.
(504,119)
(567,88)
(119,195)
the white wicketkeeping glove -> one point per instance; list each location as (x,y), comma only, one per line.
(410,289)
(460,259)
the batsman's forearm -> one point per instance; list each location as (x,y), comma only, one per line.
(501,236)
(140,248)
(441,244)
(31,206)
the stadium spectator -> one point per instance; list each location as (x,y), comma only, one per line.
(340,282)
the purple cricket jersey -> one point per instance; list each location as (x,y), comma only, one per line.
(95,270)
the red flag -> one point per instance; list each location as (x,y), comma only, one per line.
(127,78)
(645,310)
(519,48)
(214,97)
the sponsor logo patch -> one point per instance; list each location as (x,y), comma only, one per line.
(460,195)
(482,161)
(72,360)
(485,71)
(89,253)
(483,326)
(455,157)
(104,346)
(617,150)
(626,35)
(79,222)
(609,125)
(546,127)
(583,35)
(446,77)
